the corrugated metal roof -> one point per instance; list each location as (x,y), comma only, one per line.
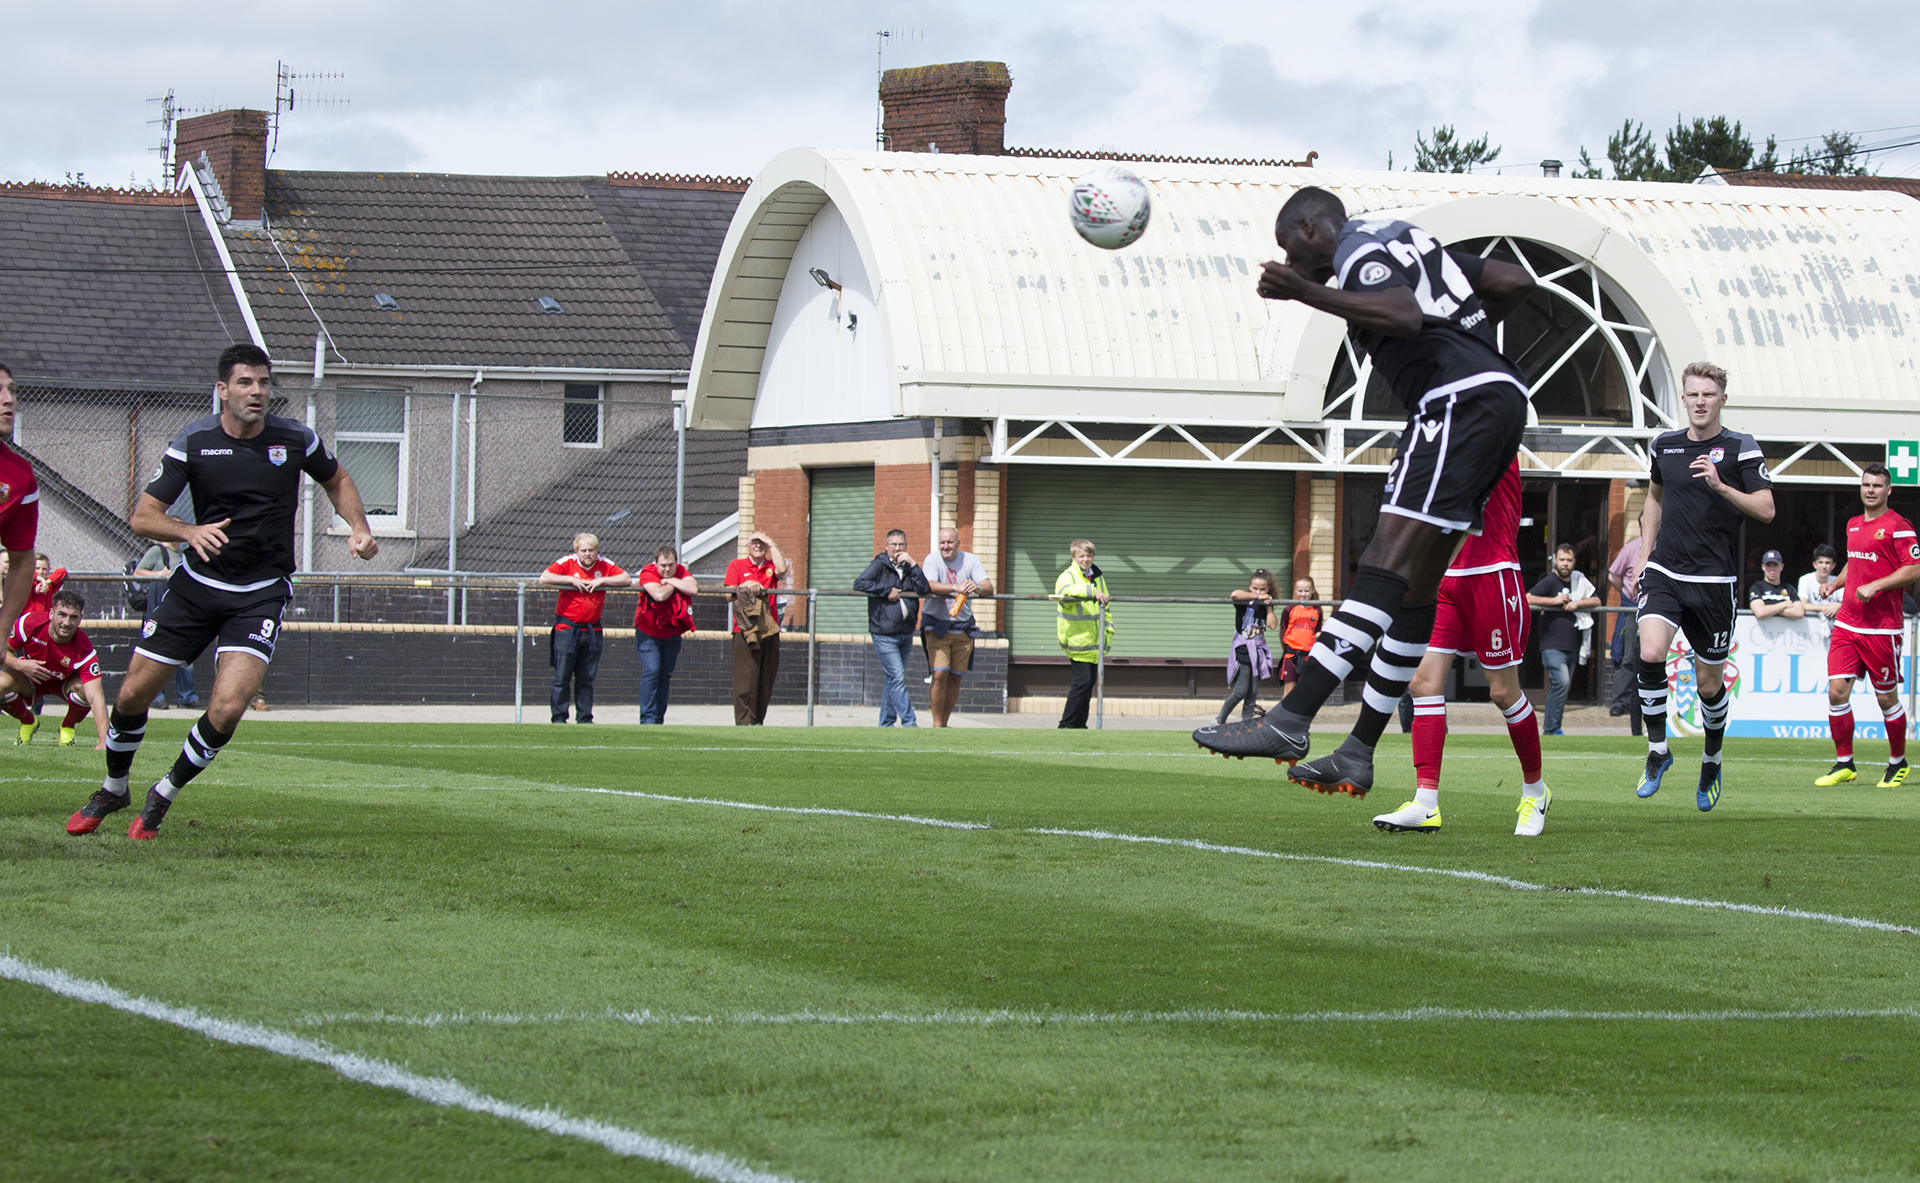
(1811,298)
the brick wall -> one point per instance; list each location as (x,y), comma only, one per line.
(780,507)
(236,146)
(989,525)
(956,107)
(343,668)
(902,499)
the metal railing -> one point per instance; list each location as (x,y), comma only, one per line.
(466,582)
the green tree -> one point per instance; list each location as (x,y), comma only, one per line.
(1693,148)
(1448,153)
(1634,159)
(1838,154)
(1588,170)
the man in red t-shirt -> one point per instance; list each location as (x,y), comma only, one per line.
(47,581)
(19,515)
(663,616)
(1883,557)
(52,653)
(583,578)
(756,627)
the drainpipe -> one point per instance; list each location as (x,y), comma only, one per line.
(933,531)
(306,486)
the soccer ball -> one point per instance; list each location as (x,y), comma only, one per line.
(1110,207)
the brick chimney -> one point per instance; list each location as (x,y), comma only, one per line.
(958,107)
(236,146)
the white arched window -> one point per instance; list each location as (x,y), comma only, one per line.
(1585,349)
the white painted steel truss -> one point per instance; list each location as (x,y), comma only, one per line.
(1337,446)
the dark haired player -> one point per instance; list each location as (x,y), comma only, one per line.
(243,467)
(1425,316)
(1704,480)
(1883,557)
(19,516)
(55,654)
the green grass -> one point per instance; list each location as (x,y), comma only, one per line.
(333,880)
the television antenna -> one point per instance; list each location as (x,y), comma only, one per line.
(879,75)
(285,85)
(168,111)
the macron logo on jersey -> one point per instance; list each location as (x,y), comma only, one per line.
(216,451)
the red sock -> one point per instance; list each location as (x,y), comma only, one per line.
(1896,717)
(1840,724)
(1429,740)
(18,708)
(1524,731)
(75,713)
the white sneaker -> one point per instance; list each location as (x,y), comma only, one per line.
(1533,813)
(1410,817)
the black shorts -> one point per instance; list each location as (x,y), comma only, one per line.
(1703,611)
(1456,446)
(194,615)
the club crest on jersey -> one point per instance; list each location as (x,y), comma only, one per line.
(277,454)
(146,630)
(1717,455)
(6,491)
(1374,272)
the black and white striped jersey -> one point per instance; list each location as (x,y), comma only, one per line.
(1456,341)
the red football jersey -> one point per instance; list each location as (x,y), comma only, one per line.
(19,501)
(76,658)
(1875,550)
(42,601)
(1497,546)
(578,606)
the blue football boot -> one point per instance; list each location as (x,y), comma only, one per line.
(1708,795)
(1657,766)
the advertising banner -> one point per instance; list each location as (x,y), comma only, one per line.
(1778,675)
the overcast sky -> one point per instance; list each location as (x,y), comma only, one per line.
(720,87)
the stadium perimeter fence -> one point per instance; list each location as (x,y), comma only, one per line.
(357,626)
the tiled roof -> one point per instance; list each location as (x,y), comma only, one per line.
(636,476)
(114,289)
(1908,185)
(673,233)
(466,259)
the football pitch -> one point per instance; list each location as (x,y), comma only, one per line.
(465,952)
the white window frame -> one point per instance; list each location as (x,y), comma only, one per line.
(599,417)
(383,522)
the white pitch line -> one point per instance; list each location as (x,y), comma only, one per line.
(1484,877)
(1254,852)
(996,1018)
(435,1090)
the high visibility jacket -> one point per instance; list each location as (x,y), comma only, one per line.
(1080,619)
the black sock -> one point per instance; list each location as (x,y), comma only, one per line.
(1653,703)
(1392,668)
(124,733)
(1347,637)
(1713,717)
(202,745)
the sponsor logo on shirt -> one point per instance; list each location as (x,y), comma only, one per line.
(277,454)
(216,451)
(1374,272)
(1469,321)
(264,634)
(6,491)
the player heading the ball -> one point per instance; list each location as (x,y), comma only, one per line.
(1425,315)
(243,467)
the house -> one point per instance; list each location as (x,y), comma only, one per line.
(917,338)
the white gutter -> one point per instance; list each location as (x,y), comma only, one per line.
(709,540)
(226,259)
(465,372)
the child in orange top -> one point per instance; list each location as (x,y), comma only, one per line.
(1302,626)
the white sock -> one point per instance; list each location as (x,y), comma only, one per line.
(1537,788)
(164,786)
(117,785)
(1657,749)
(1427,798)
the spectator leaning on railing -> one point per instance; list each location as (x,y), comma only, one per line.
(1819,590)
(756,627)
(1081,592)
(894,585)
(1769,596)
(661,619)
(583,578)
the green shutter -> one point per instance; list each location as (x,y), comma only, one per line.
(840,543)
(1159,532)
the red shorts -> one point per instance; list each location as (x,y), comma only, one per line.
(1876,656)
(1483,616)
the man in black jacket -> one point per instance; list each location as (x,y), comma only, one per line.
(894,584)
